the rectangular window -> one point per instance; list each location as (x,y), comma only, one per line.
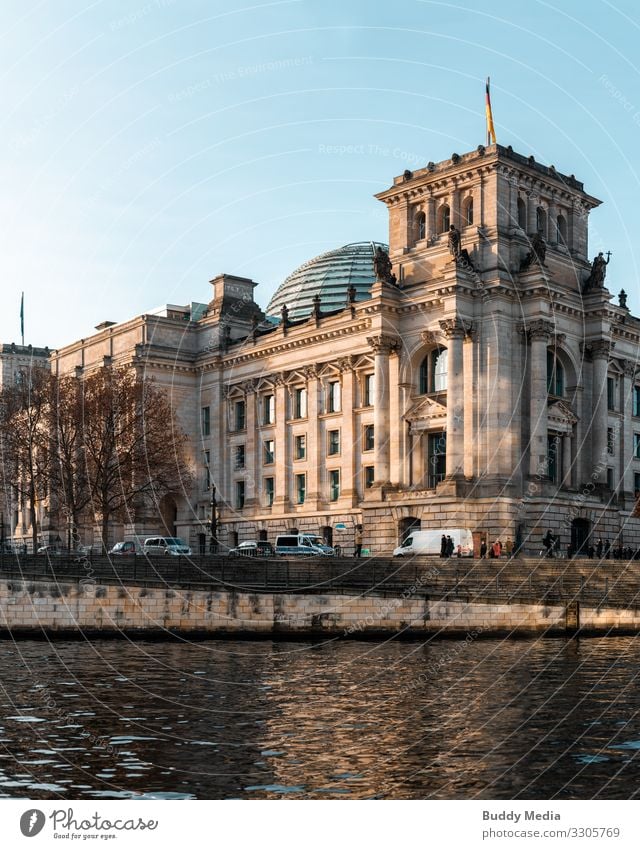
(609,478)
(333,397)
(240,457)
(239,415)
(437,458)
(367,400)
(239,495)
(553,457)
(268,409)
(369,438)
(611,392)
(206,421)
(269,452)
(300,403)
(334,484)
(369,476)
(333,442)
(300,447)
(301,488)
(269,489)
(610,440)
(207,471)
(636,445)
(636,400)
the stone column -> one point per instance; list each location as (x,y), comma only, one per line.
(282,457)
(626,430)
(431,217)
(314,441)
(513,201)
(600,350)
(470,394)
(552,223)
(382,346)
(455,209)
(348,437)
(453,329)
(252,449)
(539,333)
(532,206)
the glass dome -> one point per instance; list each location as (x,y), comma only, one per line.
(329,275)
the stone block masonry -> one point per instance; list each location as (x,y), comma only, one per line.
(36,608)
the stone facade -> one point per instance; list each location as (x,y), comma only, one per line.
(492,385)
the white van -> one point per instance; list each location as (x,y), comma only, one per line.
(165,545)
(302,544)
(430,542)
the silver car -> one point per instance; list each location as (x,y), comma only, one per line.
(166,545)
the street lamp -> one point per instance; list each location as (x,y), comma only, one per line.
(213,547)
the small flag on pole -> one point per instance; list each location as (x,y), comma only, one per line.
(22,318)
(491,133)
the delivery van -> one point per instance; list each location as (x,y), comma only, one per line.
(430,542)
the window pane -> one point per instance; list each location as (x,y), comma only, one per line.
(439,360)
(437,458)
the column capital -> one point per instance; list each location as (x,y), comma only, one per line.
(383,344)
(600,349)
(310,372)
(347,363)
(430,337)
(629,367)
(540,328)
(455,328)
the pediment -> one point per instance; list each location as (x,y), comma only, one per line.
(561,417)
(425,413)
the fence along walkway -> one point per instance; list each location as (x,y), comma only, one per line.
(526,580)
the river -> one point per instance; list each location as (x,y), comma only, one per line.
(456,719)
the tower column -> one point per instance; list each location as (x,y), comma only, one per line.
(382,346)
(626,431)
(281,498)
(470,393)
(431,217)
(539,333)
(600,415)
(314,442)
(453,329)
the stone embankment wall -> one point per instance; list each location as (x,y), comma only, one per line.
(36,607)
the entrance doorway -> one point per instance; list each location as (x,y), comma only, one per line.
(405,526)
(580,535)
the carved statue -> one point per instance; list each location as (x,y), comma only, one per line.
(595,280)
(382,266)
(454,241)
(622,299)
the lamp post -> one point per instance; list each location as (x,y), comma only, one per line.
(214,521)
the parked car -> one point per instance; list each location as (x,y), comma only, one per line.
(253,548)
(303,545)
(165,545)
(430,542)
(127,548)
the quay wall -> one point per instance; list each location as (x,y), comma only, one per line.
(33,608)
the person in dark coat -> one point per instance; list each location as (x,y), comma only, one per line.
(483,550)
(443,546)
(599,548)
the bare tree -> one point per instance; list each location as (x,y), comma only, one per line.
(24,407)
(134,449)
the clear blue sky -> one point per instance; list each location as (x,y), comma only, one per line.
(147,146)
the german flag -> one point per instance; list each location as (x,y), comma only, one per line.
(491,133)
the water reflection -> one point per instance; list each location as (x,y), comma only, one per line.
(453,719)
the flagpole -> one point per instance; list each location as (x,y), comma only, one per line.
(22,318)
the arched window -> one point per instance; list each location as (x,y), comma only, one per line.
(421,226)
(541,221)
(561,230)
(433,371)
(522,214)
(444,218)
(467,212)
(555,375)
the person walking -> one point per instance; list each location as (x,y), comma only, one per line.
(548,543)
(508,547)
(497,548)
(599,548)
(483,549)
(358,540)
(443,546)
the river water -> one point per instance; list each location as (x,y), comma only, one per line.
(236,719)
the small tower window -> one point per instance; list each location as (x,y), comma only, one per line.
(444,218)
(541,221)
(562,230)
(522,214)
(467,212)
(421,226)
(555,375)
